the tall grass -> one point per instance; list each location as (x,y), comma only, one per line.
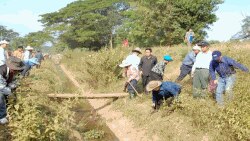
(188,119)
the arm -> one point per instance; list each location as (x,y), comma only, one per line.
(140,64)
(237,65)
(3,89)
(212,71)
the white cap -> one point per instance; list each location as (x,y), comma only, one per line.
(4,42)
(197,48)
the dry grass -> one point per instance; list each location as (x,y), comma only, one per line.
(188,120)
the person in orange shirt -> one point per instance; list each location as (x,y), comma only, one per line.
(19,52)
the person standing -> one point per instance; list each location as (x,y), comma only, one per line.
(200,70)
(125,43)
(134,57)
(189,37)
(157,71)
(39,57)
(19,52)
(188,63)
(225,67)
(27,54)
(146,64)
(3,56)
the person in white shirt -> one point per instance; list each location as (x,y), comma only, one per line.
(27,54)
(3,45)
(133,58)
(200,70)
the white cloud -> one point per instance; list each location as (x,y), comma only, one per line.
(24,18)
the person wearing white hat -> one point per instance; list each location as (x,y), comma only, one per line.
(3,45)
(27,54)
(188,63)
(132,73)
(133,57)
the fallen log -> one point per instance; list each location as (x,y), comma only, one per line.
(88,96)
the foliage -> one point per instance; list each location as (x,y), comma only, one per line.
(33,116)
(7,33)
(165,22)
(188,119)
(94,134)
(88,23)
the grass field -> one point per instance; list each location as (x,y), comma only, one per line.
(187,120)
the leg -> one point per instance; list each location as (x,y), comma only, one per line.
(26,69)
(219,91)
(3,112)
(185,70)
(196,84)
(147,81)
(131,87)
(204,79)
(229,87)
(144,82)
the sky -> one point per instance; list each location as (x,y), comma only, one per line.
(22,16)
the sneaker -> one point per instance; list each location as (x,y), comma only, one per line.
(3,120)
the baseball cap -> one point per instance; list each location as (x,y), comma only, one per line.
(216,55)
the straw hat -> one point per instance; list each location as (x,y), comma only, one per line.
(125,63)
(137,50)
(152,85)
(29,48)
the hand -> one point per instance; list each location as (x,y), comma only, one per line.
(141,72)
(215,81)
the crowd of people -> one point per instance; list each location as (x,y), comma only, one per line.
(14,66)
(200,63)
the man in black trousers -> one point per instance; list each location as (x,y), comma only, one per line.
(146,64)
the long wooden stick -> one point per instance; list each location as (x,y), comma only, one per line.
(134,89)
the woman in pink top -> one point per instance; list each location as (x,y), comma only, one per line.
(132,73)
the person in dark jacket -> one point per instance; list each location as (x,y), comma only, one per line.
(188,63)
(225,67)
(7,84)
(39,57)
(162,91)
(146,64)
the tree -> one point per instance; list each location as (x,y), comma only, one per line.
(7,33)
(245,30)
(88,23)
(38,39)
(165,22)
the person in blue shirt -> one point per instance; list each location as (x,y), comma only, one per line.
(28,65)
(188,63)
(225,67)
(162,91)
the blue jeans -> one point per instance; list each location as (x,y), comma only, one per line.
(2,106)
(225,85)
(130,88)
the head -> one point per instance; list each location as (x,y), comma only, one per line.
(148,52)
(136,51)
(190,30)
(20,48)
(196,49)
(167,59)
(154,86)
(204,46)
(4,44)
(217,56)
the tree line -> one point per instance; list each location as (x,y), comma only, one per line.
(92,24)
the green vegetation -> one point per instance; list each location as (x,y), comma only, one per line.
(188,119)
(93,24)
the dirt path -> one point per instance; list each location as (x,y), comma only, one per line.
(122,127)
